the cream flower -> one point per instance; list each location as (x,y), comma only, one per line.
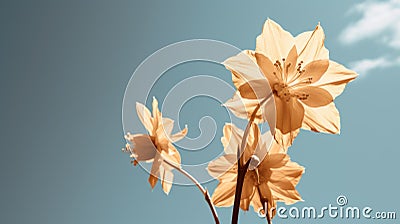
(271,177)
(298,72)
(156,146)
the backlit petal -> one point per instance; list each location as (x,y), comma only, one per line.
(312,72)
(224,194)
(223,165)
(179,135)
(145,117)
(316,97)
(274,42)
(310,45)
(335,78)
(144,149)
(243,67)
(322,119)
(255,89)
(289,120)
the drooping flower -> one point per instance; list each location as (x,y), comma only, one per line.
(156,146)
(271,176)
(298,72)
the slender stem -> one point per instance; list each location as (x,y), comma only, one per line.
(201,188)
(242,169)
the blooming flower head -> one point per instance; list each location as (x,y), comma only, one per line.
(271,176)
(156,146)
(302,79)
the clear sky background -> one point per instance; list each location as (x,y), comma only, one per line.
(64,66)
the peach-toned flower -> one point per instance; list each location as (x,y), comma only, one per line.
(303,80)
(271,176)
(156,146)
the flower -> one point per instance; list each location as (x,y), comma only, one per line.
(271,176)
(156,146)
(299,74)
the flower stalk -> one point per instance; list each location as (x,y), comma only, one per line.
(200,187)
(242,169)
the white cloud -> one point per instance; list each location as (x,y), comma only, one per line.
(379,19)
(364,66)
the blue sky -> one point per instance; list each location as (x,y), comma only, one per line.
(64,67)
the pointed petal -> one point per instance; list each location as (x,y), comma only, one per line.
(285,192)
(335,79)
(231,139)
(268,69)
(248,187)
(166,180)
(168,125)
(153,180)
(225,165)
(243,67)
(179,135)
(255,89)
(313,71)
(316,97)
(144,116)
(267,196)
(155,170)
(311,45)
(290,115)
(274,161)
(156,113)
(172,155)
(322,119)
(224,194)
(290,65)
(274,42)
(243,108)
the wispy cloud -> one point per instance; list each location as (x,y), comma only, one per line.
(365,66)
(379,20)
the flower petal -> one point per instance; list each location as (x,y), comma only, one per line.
(179,135)
(224,167)
(231,139)
(224,194)
(313,71)
(290,115)
(156,113)
(311,45)
(144,116)
(335,79)
(322,119)
(285,192)
(166,180)
(316,97)
(144,149)
(168,125)
(155,170)
(290,65)
(274,41)
(243,67)
(243,108)
(265,195)
(255,89)
(274,161)
(267,68)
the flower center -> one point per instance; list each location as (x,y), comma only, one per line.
(284,88)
